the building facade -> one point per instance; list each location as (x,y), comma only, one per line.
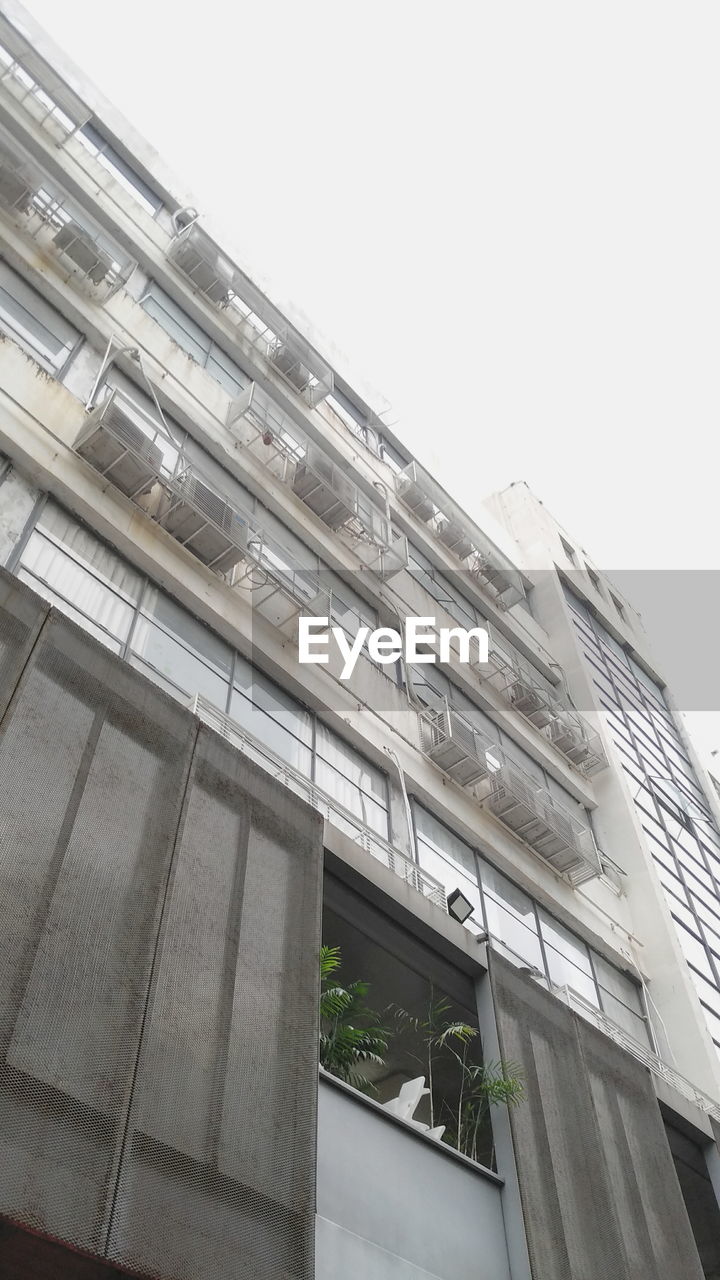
(186,472)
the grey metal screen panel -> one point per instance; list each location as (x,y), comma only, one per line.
(22,613)
(599,1190)
(159,926)
(219,1174)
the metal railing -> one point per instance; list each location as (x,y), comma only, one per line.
(456,531)
(661,1070)
(42,209)
(273,438)
(31,82)
(333,812)
(214,274)
(473,760)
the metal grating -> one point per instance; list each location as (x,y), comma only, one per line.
(429,502)
(260,426)
(159,926)
(599,1192)
(216,276)
(41,208)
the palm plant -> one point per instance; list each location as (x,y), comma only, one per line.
(482,1085)
(437,1031)
(350,1032)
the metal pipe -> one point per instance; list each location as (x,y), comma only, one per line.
(107,362)
(408,812)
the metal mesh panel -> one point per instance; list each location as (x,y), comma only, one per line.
(219,1174)
(159,925)
(599,1190)
(92,766)
(22,613)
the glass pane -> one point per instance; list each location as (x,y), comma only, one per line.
(191,633)
(516,936)
(269,731)
(631,1022)
(450,878)
(617,984)
(695,953)
(177,324)
(566,974)
(84,546)
(272,701)
(707,992)
(28,318)
(179,664)
(436,835)
(224,370)
(349,762)
(565,942)
(353,797)
(73,583)
(43,590)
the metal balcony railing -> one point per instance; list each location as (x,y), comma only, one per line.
(131,449)
(271,436)
(29,80)
(422,495)
(474,761)
(453,743)
(333,812)
(660,1069)
(39,207)
(223,283)
(545,706)
(538,820)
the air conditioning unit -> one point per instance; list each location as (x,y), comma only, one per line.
(204,522)
(325,490)
(112,443)
(490,576)
(453,748)
(287,363)
(411,494)
(531,704)
(571,740)
(453,536)
(211,280)
(78,245)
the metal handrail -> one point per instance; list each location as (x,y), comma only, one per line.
(660,1069)
(333,812)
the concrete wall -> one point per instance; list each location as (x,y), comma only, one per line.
(394,1206)
(159,926)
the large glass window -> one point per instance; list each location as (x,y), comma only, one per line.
(352,780)
(450,860)
(525,933)
(123,173)
(33,323)
(72,569)
(511,919)
(272,716)
(69,567)
(193,339)
(669,798)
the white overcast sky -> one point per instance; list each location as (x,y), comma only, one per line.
(506,214)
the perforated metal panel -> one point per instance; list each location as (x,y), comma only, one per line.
(22,613)
(599,1190)
(159,927)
